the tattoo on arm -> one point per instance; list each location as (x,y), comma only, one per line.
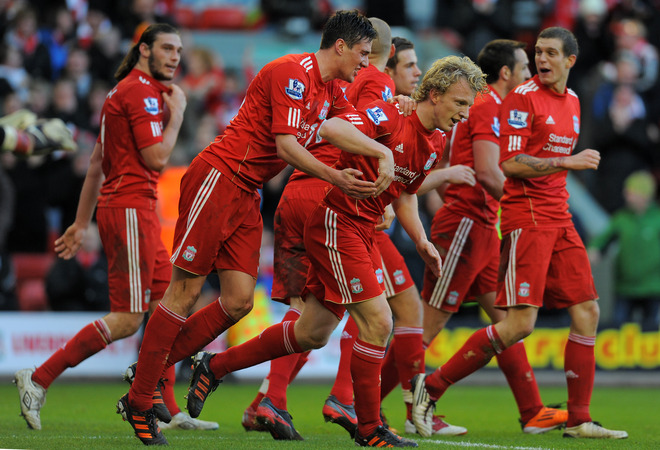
(539,164)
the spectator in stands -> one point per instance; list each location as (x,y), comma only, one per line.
(620,126)
(23,36)
(105,54)
(65,104)
(636,228)
(77,69)
(630,37)
(59,37)
(12,69)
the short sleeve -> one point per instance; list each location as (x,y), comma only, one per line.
(289,85)
(485,122)
(516,117)
(145,111)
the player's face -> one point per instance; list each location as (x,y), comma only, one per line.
(520,71)
(453,106)
(551,63)
(354,59)
(406,73)
(164,56)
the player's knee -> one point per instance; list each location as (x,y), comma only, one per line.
(238,307)
(377,329)
(313,339)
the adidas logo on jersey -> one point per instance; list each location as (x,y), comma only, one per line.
(550,121)
(399,148)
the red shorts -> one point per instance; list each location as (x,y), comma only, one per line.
(345,262)
(139,269)
(290,262)
(546,266)
(219,225)
(470,253)
(395,272)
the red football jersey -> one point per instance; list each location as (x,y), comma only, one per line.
(131,119)
(370,84)
(439,141)
(539,122)
(413,154)
(483,124)
(287,96)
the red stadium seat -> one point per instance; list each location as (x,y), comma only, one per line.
(185,17)
(222,18)
(31,270)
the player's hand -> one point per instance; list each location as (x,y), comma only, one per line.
(67,245)
(430,255)
(460,174)
(385,221)
(586,159)
(406,104)
(352,186)
(385,173)
(175,100)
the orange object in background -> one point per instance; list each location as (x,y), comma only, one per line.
(168,202)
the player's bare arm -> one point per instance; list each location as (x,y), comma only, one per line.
(347,137)
(458,174)
(486,165)
(347,180)
(67,245)
(156,156)
(407,213)
(526,166)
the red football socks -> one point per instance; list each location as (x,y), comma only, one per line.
(342,389)
(365,370)
(93,338)
(520,376)
(275,341)
(200,330)
(579,367)
(159,336)
(473,355)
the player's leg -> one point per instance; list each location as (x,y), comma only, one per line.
(311,330)
(579,366)
(374,320)
(535,418)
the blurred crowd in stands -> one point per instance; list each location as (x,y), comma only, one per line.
(58,58)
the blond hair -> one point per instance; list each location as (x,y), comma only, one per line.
(446,72)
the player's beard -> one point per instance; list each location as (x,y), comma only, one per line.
(154,68)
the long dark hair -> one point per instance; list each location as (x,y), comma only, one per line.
(148,37)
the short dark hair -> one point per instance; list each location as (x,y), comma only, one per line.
(497,54)
(148,37)
(568,40)
(351,26)
(400,44)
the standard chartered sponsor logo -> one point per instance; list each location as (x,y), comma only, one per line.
(566,144)
(404,175)
(561,139)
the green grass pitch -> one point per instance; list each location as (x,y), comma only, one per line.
(82,415)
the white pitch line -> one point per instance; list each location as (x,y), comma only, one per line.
(476,444)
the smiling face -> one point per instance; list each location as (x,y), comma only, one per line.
(406,73)
(452,106)
(353,59)
(552,65)
(164,56)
